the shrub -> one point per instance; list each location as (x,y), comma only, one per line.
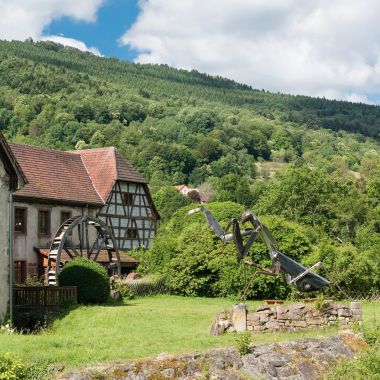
(12,368)
(90,278)
(243,340)
(371,334)
(366,366)
(194,262)
(125,291)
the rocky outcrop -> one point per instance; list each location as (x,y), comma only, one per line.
(285,318)
(296,360)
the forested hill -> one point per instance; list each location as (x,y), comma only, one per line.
(175,126)
(161,80)
(313,163)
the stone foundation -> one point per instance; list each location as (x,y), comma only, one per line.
(285,318)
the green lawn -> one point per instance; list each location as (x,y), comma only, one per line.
(144,327)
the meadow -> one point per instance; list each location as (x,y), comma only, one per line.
(140,328)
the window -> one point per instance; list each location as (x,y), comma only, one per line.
(19,272)
(43,222)
(64,216)
(132,233)
(128,199)
(20,220)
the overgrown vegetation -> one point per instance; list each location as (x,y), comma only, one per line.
(194,262)
(12,368)
(90,278)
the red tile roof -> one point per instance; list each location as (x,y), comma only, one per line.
(79,177)
(105,166)
(102,258)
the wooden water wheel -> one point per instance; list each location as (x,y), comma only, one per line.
(104,241)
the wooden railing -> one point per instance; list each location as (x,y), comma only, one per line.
(29,297)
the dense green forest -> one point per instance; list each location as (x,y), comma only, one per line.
(310,166)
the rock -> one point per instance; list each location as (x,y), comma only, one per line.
(285,371)
(299,324)
(239,317)
(307,371)
(263,308)
(272,326)
(295,360)
(315,321)
(296,306)
(115,294)
(253,316)
(168,372)
(344,312)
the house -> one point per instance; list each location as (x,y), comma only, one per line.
(95,182)
(11,178)
(195,195)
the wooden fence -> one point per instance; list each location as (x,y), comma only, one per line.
(48,297)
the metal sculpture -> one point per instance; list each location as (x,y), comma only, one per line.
(295,273)
(104,241)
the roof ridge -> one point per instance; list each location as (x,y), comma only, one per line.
(78,151)
(116,166)
(70,152)
(89,176)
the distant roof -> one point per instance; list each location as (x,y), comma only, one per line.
(180,187)
(17,177)
(77,177)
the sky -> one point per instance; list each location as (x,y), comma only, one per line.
(325,48)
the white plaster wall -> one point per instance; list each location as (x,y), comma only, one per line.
(134,210)
(25,243)
(4,287)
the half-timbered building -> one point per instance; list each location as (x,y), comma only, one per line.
(95,182)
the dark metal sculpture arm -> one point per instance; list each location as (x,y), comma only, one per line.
(295,273)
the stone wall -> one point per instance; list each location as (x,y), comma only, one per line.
(285,317)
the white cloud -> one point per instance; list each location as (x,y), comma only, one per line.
(324,47)
(21,19)
(73,43)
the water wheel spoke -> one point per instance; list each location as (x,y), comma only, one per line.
(80,236)
(68,252)
(104,240)
(87,241)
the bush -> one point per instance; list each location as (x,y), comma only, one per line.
(243,340)
(366,366)
(371,334)
(90,278)
(125,291)
(12,368)
(194,262)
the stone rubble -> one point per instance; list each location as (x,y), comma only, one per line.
(304,359)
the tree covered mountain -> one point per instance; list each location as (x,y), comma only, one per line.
(186,125)
(178,126)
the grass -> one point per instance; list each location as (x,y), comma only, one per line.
(143,327)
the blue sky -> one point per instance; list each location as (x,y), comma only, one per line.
(325,48)
(113,19)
